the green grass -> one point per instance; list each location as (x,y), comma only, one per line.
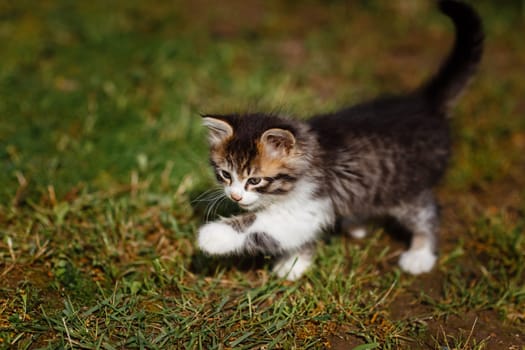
(102,158)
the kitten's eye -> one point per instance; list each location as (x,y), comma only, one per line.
(226,175)
(254,181)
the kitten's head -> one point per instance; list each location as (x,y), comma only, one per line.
(257,158)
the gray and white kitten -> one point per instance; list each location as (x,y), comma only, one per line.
(378,158)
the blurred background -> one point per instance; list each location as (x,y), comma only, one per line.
(92,92)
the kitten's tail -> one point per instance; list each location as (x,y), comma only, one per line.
(455,72)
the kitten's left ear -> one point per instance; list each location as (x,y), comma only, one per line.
(219,130)
(277,142)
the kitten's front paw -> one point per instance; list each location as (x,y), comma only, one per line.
(417,261)
(217,238)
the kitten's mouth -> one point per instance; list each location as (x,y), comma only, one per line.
(247,206)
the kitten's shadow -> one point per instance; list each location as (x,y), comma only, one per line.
(204,265)
(395,230)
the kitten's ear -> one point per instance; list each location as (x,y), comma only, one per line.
(218,130)
(277,142)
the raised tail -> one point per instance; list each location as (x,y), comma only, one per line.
(455,72)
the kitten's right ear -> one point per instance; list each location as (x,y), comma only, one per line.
(277,142)
(218,130)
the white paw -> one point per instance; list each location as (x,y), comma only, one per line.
(417,261)
(217,238)
(358,233)
(292,267)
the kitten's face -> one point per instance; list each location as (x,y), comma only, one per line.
(255,165)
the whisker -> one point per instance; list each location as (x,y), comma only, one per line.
(214,205)
(205,196)
(219,203)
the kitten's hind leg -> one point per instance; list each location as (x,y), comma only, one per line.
(420,217)
(294,265)
(353,228)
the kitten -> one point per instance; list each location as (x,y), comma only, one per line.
(379,158)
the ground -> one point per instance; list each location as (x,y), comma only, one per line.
(104,164)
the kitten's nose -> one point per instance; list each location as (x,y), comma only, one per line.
(236,197)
